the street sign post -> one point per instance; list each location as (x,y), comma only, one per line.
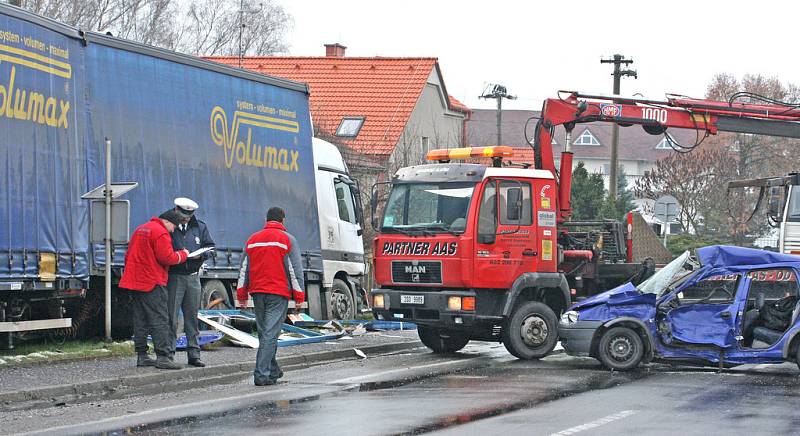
(666,211)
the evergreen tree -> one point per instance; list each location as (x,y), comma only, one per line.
(619,207)
(587,194)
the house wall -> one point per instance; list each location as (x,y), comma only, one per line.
(431,125)
(634,169)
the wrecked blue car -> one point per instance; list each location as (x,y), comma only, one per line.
(725,306)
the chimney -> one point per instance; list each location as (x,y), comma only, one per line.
(334,50)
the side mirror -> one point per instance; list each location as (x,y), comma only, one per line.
(373,206)
(774,201)
(514,205)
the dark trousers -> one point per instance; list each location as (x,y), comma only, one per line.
(270,311)
(150,315)
(184,295)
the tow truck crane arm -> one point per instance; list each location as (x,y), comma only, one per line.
(707,116)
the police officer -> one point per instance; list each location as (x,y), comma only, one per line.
(184,279)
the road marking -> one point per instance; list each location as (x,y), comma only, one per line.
(596,423)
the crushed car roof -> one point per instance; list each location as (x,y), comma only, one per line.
(726,255)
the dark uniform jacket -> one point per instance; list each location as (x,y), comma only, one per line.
(196,236)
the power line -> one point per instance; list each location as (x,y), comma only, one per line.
(618,61)
(498,92)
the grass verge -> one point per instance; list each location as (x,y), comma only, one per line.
(47,352)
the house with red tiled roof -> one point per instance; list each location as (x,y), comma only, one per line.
(383,110)
(638,151)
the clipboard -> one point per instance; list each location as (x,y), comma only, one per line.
(200,251)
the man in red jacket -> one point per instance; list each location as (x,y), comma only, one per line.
(147,263)
(272,272)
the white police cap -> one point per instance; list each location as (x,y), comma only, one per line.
(186,204)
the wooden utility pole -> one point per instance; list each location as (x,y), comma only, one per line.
(498,92)
(617,60)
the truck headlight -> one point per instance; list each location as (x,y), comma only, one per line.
(569,317)
(378,301)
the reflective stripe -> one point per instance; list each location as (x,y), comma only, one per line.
(267,244)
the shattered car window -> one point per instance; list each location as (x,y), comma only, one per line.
(672,272)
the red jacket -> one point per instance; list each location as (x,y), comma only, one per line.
(149,257)
(272,265)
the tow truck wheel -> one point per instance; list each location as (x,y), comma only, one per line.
(620,349)
(531,333)
(441,341)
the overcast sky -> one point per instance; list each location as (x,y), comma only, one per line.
(536,48)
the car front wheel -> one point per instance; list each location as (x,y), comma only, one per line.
(621,349)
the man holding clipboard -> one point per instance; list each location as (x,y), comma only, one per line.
(184,288)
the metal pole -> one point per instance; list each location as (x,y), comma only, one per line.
(499,120)
(109,246)
(612,184)
(666,229)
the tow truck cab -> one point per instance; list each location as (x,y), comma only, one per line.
(462,247)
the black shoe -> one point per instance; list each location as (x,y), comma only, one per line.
(165,363)
(277,376)
(269,382)
(197,362)
(145,360)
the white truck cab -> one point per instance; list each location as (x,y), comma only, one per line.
(340,220)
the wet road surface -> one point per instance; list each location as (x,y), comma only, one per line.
(480,391)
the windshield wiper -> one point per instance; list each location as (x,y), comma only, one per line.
(407,232)
(444,227)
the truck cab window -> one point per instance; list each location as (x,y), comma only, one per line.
(428,207)
(515,214)
(793,210)
(487,217)
(344,202)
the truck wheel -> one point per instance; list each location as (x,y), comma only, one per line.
(620,349)
(341,305)
(441,341)
(214,296)
(531,332)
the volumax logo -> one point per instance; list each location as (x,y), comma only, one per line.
(244,152)
(611,110)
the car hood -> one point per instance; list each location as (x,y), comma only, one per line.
(623,294)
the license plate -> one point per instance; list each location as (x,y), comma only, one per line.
(412,299)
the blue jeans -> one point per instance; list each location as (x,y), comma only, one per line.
(270,311)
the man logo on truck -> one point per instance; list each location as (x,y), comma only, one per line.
(247,153)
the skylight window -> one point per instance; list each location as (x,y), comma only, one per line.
(350,126)
(586,138)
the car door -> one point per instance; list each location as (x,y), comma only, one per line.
(704,312)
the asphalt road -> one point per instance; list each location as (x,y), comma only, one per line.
(482,390)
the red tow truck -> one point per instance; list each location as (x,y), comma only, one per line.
(469,251)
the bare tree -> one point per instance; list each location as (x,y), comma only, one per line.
(233,27)
(198,27)
(697,180)
(757,155)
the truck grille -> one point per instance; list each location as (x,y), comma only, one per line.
(414,271)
